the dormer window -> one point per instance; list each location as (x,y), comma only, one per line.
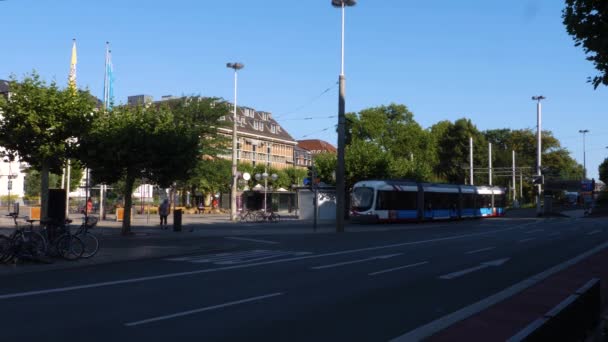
(273,129)
(256,124)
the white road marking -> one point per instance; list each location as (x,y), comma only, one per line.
(398,268)
(238,257)
(526,240)
(252,240)
(534,231)
(378,257)
(480,250)
(595,232)
(483,265)
(190,312)
(270,262)
(429,329)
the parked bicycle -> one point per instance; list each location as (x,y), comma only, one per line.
(247,216)
(267,216)
(90,241)
(22,244)
(61,241)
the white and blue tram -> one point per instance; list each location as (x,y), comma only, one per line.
(397,200)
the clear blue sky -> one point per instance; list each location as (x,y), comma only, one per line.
(444,59)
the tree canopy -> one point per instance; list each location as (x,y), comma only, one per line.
(42,125)
(587,22)
(152,143)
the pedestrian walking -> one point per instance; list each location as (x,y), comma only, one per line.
(163,212)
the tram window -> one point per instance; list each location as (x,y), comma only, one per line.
(396,200)
(439,200)
(362,199)
(468,200)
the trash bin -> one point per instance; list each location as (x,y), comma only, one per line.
(177,220)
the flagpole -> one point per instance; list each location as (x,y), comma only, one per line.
(105,79)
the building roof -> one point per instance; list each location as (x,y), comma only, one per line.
(250,121)
(317,146)
(3,86)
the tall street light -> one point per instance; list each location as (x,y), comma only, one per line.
(236,67)
(584,132)
(538,99)
(340,182)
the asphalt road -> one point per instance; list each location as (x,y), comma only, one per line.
(367,286)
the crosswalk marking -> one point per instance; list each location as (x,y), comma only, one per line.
(236,258)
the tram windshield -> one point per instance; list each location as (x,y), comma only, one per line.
(362,199)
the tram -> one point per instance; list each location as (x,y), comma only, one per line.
(399,201)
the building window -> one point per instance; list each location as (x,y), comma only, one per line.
(256,124)
(273,129)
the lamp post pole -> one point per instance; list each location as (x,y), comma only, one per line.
(340,181)
(584,132)
(538,100)
(233,190)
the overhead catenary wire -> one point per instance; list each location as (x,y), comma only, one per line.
(308,103)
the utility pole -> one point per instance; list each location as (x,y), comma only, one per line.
(538,100)
(315,193)
(513,180)
(471,160)
(584,132)
(489,163)
(340,169)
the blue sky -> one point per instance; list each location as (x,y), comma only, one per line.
(444,59)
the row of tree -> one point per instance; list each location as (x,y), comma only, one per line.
(175,144)
(386,142)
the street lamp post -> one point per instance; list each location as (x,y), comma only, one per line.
(340,182)
(538,100)
(236,67)
(584,132)
(264,176)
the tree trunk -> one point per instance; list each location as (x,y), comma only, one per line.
(127,193)
(44,190)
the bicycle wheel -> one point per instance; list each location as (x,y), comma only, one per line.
(260,217)
(6,249)
(250,217)
(37,245)
(275,217)
(70,247)
(91,244)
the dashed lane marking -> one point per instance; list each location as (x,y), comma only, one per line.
(251,240)
(238,257)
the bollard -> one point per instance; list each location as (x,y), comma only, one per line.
(177,220)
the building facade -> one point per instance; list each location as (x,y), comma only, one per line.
(260,139)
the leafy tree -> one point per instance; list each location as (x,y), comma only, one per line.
(211,176)
(587,22)
(406,150)
(603,169)
(131,143)
(42,125)
(295,175)
(325,166)
(33,180)
(453,151)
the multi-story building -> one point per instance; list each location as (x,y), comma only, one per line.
(302,157)
(316,146)
(260,139)
(139,100)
